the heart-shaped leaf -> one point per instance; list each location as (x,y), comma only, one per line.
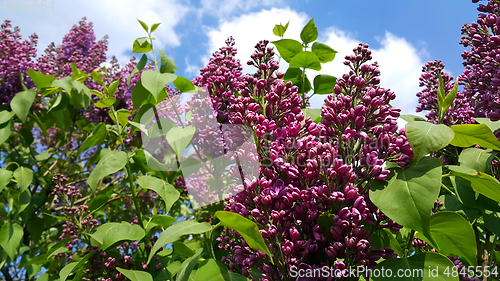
(425,137)
(411,193)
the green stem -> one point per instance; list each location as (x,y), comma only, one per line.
(129,171)
(408,245)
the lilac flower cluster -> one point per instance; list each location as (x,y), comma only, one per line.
(482,76)
(311,170)
(79,46)
(79,218)
(16,57)
(462,109)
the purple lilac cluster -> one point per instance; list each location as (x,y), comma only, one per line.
(310,170)
(460,112)
(482,74)
(103,267)
(79,218)
(79,46)
(16,55)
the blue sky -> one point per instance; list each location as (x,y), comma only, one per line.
(402,34)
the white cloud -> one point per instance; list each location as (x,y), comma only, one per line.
(115,18)
(400,62)
(249,29)
(191,69)
(226,8)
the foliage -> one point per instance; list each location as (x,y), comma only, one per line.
(105,176)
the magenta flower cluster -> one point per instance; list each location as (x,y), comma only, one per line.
(311,196)
(16,57)
(462,109)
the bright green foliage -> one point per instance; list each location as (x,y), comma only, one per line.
(165,190)
(454,236)
(279,29)
(474,134)
(112,162)
(135,275)
(245,228)
(177,230)
(425,137)
(409,195)
(109,233)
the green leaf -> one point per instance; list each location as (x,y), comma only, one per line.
(65,83)
(109,164)
(135,275)
(306,59)
(6,116)
(425,138)
(140,66)
(470,198)
(383,237)
(66,271)
(279,29)
(97,137)
(97,76)
(181,249)
(440,93)
(80,95)
(288,48)
(77,74)
(492,221)
(144,25)
(295,75)
(314,113)
(323,84)
(60,102)
(21,103)
(187,266)
(474,134)
(23,176)
(140,95)
(165,190)
(5,177)
(41,80)
(448,100)
(214,270)
(154,82)
(477,159)
(175,232)
(246,228)
(180,138)
(122,115)
(309,33)
(412,193)
(493,125)
(454,236)
(163,220)
(154,27)
(105,102)
(11,235)
(5,131)
(111,232)
(426,266)
(167,64)
(411,118)
(113,87)
(139,126)
(142,45)
(324,52)
(184,85)
(480,182)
